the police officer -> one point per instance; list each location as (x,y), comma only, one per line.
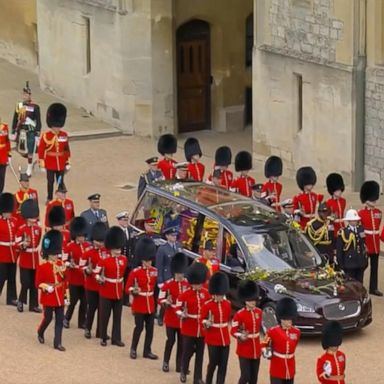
(272,189)
(243,184)
(152,175)
(350,247)
(94,214)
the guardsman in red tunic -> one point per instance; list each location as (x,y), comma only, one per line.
(141,285)
(193,155)
(8,248)
(244,183)
(209,258)
(305,203)
(28,238)
(281,342)
(111,290)
(56,220)
(246,326)
(330,368)
(370,219)
(272,189)
(51,280)
(89,262)
(336,203)
(169,293)
(5,153)
(223,159)
(23,194)
(167,147)
(61,199)
(189,306)
(74,252)
(54,152)
(215,318)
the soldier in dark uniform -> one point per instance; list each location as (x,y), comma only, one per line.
(94,214)
(182,172)
(350,247)
(320,232)
(257,192)
(153,174)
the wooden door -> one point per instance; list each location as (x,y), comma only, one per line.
(193,76)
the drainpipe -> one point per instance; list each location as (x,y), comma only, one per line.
(359,83)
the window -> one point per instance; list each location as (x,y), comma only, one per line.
(88,64)
(299,98)
(249,39)
(231,254)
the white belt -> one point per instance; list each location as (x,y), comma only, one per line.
(31,250)
(253,335)
(219,325)
(284,355)
(193,316)
(368,232)
(7,243)
(119,280)
(146,294)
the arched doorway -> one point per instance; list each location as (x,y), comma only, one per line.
(193,76)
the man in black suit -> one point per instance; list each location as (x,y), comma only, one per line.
(94,214)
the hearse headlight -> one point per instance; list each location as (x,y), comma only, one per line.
(305,308)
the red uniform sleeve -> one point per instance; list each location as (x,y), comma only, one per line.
(235,325)
(295,203)
(39,276)
(130,281)
(204,313)
(320,197)
(320,369)
(42,146)
(67,150)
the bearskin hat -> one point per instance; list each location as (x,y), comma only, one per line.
(332,335)
(78,227)
(30,209)
(273,167)
(223,156)
(179,263)
(99,231)
(191,148)
(56,115)
(7,203)
(56,216)
(115,238)
(247,290)
(369,191)
(167,144)
(286,309)
(218,284)
(196,273)
(305,176)
(52,243)
(243,161)
(145,249)
(335,183)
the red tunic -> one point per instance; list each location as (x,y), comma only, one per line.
(213,264)
(171,290)
(370,221)
(92,257)
(114,268)
(249,322)
(337,209)
(307,203)
(8,248)
(145,279)
(283,343)
(219,312)
(28,257)
(52,274)
(226,178)
(69,209)
(167,167)
(271,191)
(22,195)
(196,171)
(54,152)
(5,145)
(243,185)
(191,302)
(335,362)
(74,252)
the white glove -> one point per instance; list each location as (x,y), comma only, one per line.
(50,289)
(9,160)
(327,368)
(67,167)
(266,353)
(66,302)
(37,140)
(12,136)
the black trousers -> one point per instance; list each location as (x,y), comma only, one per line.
(126,295)
(193,345)
(3,168)
(106,307)
(47,318)
(27,280)
(77,293)
(159,309)
(374,261)
(51,181)
(355,273)
(8,273)
(249,370)
(141,320)
(274,380)
(172,334)
(218,358)
(92,306)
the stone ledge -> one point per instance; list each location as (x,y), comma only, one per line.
(95,134)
